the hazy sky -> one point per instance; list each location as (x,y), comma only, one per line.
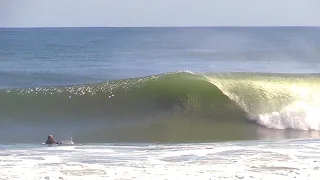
(39,13)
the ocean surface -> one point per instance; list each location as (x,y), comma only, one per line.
(160,103)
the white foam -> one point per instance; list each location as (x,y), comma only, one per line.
(247,160)
(298,115)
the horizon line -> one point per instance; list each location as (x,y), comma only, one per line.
(264,26)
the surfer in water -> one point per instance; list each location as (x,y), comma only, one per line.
(51,140)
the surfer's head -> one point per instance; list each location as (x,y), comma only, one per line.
(50,137)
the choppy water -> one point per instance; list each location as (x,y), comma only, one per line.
(160,85)
(297,159)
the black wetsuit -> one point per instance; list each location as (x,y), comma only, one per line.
(51,141)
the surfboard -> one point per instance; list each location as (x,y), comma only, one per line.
(62,143)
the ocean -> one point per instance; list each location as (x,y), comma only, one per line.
(160,103)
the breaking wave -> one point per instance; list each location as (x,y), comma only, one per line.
(276,101)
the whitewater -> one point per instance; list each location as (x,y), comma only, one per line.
(160,103)
(241,160)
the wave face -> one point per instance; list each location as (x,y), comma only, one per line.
(184,103)
(183,93)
